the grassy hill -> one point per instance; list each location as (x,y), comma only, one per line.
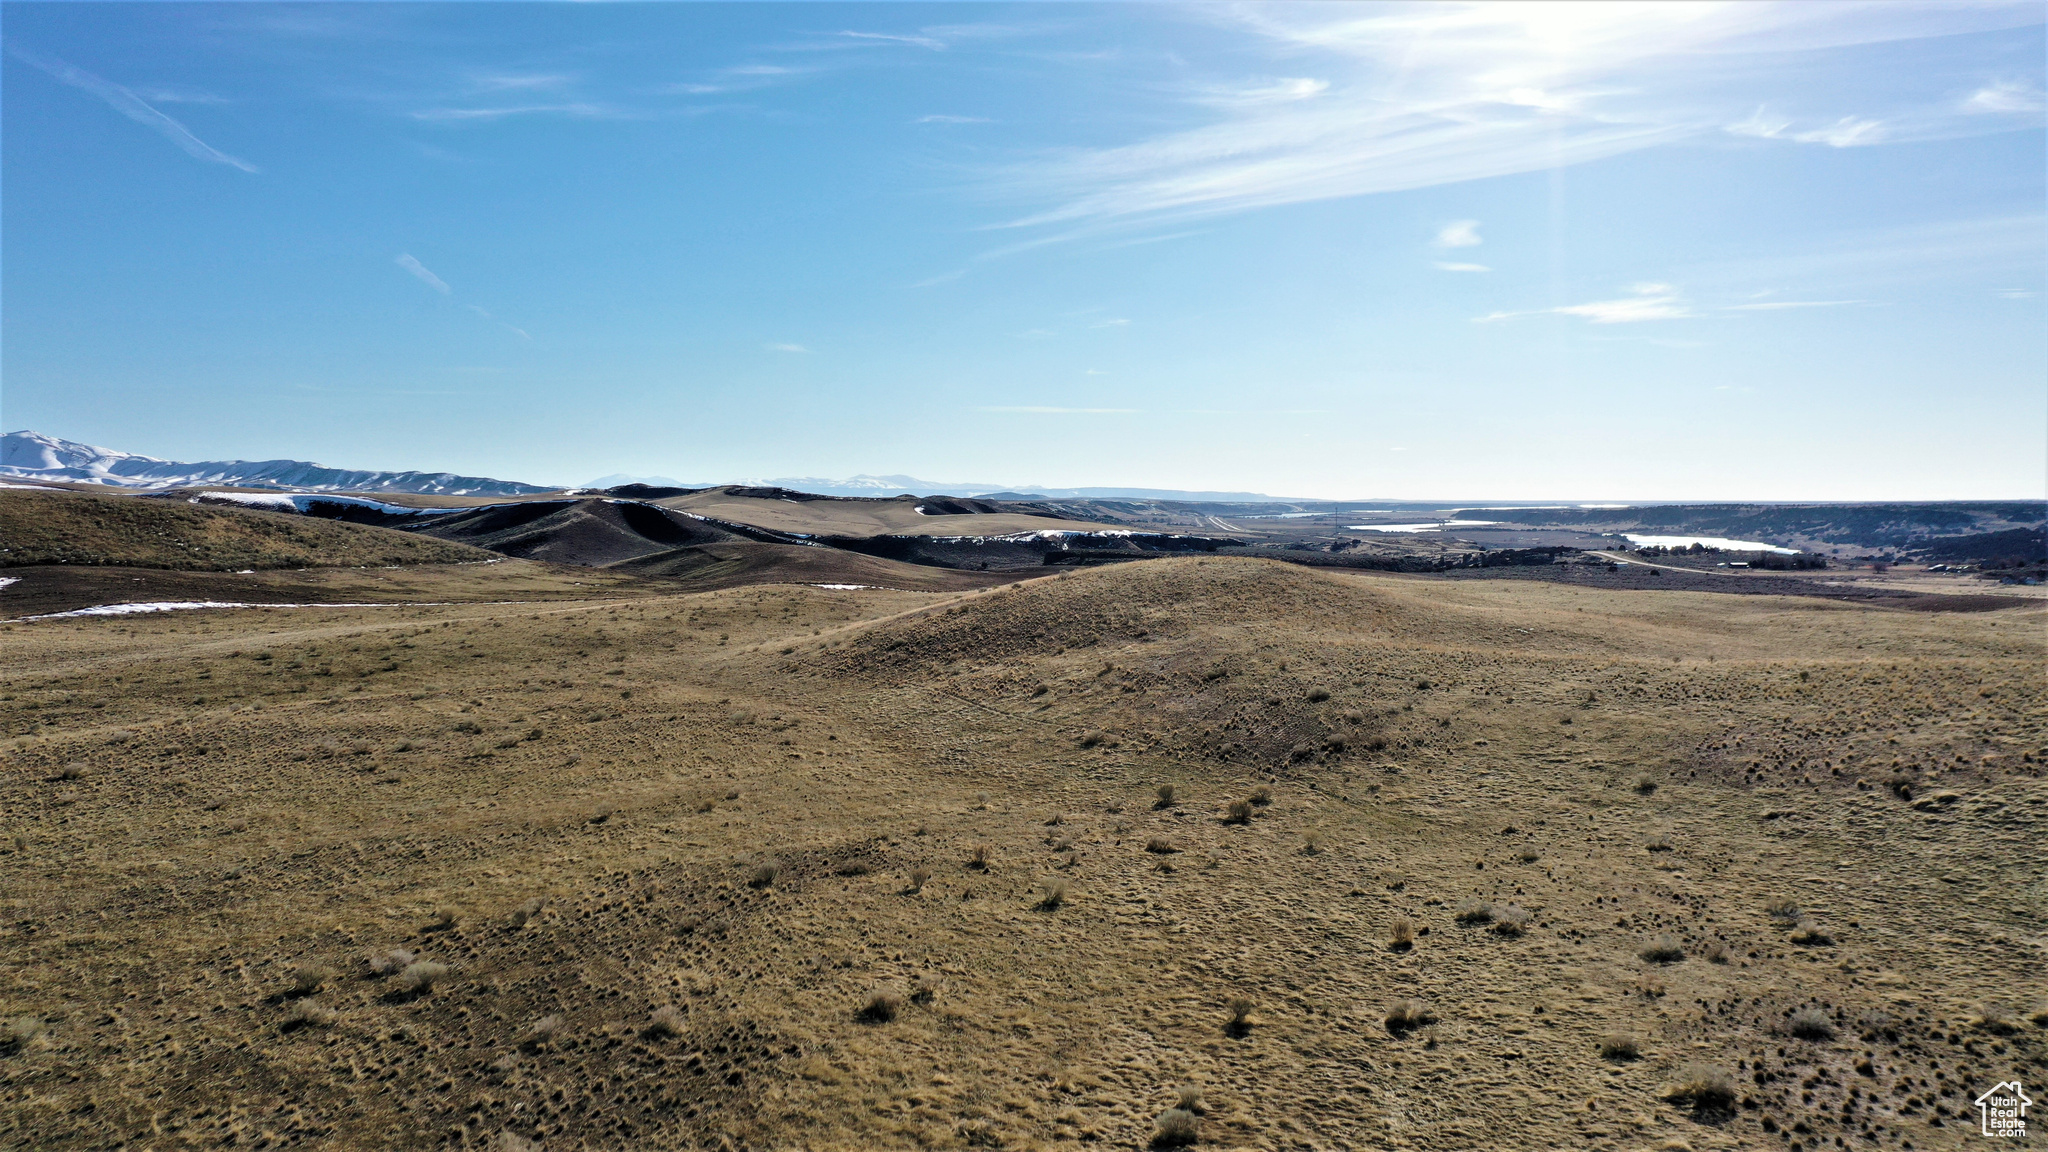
(1342,860)
(143,532)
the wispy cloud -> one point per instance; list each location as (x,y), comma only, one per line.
(942,118)
(520,82)
(406,261)
(889,38)
(1776,305)
(128,104)
(785,348)
(1646,302)
(522,333)
(1119,322)
(1414,95)
(1049,410)
(1450,266)
(579,110)
(1458,234)
(2005,96)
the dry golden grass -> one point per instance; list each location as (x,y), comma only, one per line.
(151,956)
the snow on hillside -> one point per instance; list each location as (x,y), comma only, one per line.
(33,456)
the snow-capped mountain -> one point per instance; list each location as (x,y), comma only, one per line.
(33,456)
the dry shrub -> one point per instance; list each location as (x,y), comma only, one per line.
(853,868)
(1716,952)
(1511,920)
(307,978)
(1810,935)
(1704,1088)
(1177,1128)
(444,919)
(919,877)
(419,976)
(1658,844)
(1240,812)
(1166,793)
(1663,950)
(1810,1023)
(1401,935)
(389,963)
(1784,910)
(1645,785)
(308,1014)
(980,857)
(526,912)
(1404,1016)
(1312,843)
(1189,1099)
(1240,1009)
(707,804)
(1474,911)
(541,1032)
(512,1142)
(882,1006)
(1318,695)
(1052,894)
(1620,1047)
(765,874)
(1160,845)
(1528,855)
(667,1020)
(1262,796)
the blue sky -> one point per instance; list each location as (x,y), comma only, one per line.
(1529,251)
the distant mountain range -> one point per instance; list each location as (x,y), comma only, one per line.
(901,485)
(33,456)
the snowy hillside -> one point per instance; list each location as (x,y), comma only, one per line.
(33,456)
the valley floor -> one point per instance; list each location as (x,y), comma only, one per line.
(789,867)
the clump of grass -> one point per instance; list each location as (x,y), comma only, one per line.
(389,963)
(1239,812)
(1401,935)
(1318,695)
(1189,1099)
(664,1022)
(1810,1023)
(1161,846)
(541,1032)
(1715,952)
(1262,796)
(1663,950)
(20,1032)
(1996,1019)
(919,877)
(1528,855)
(1405,1016)
(854,868)
(308,1014)
(1511,920)
(1474,911)
(1704,1088)
(765,874)
(1166,794)
(1051,894)
(1176,1128)
(1658,844)
(1784,910)
(307,978)
(1240,1009)
(444,919)
(419,976)
(980,801)
(1645,785)
(1620,1047)
(1810,935)
(980,857)
(526,912)
(881,1007)
(1312,844)
(509,1141)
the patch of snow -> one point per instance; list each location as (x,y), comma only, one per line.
(843,587)
(32,456)
(920,510)
(1721,542)
(6,580)
(302,503)
(184,605)
(35,487)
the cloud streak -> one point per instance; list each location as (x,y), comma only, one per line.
(1051,410)
(128,104)
(406,261)
(1646,302)
(1410,96)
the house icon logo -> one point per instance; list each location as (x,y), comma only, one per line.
(2003,1110)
